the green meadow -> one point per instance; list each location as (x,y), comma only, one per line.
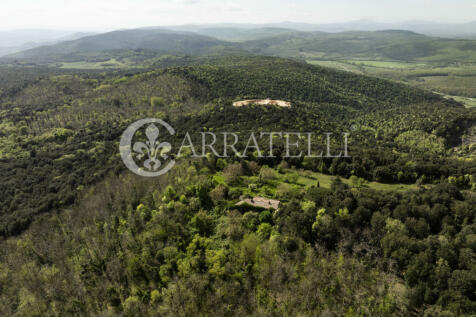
(112,63)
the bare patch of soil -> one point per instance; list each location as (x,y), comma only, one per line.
(280,103)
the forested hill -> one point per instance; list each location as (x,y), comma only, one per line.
(285,79)
(159,40)
(237,34)
(378,45)
(128,46)
(60,132)
(389,231)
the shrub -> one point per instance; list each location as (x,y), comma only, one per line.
(157,102)
(232,172)
(266,174)
(219,193)
(264,231)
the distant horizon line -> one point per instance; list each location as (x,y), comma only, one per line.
(107,29)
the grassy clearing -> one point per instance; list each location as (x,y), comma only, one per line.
(337,65)
(454,85)
(291,180)
(468,102)
(112,63)
(309,178)
(387,64)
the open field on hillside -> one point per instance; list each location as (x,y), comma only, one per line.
(341,65)
(302,179)
(112,63)
(468,102)
(387,64)
(309,178)
(457,81)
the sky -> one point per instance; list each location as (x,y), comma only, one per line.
(114,14)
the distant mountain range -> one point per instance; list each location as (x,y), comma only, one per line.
(156,39)
(235,33)
(22,37)
(296,40)
(20,40)
(458,30)
(452,30)
(151,43)
(365,45)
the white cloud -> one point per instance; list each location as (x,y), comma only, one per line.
(191,2)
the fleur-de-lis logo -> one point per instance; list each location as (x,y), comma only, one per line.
(154,151)
(152,148)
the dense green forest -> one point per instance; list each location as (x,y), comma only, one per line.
(178,245)
(82,236)
(447,66)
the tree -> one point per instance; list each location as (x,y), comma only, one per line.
(157,102)
(264,231)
